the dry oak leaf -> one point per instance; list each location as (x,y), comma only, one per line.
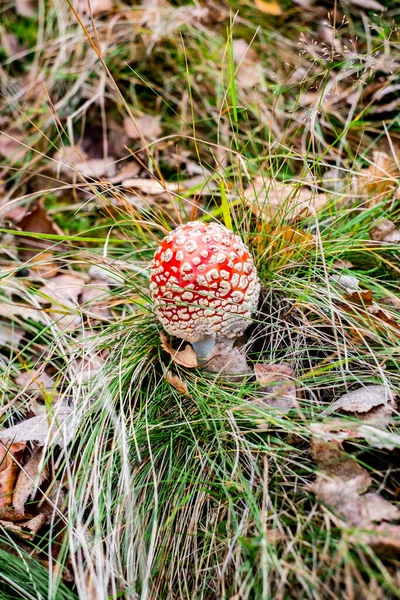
(92,299)
(26,530)
(185,358)
(278,385)
(147,126)
(385,231)
(93,7)
(29,479)
(10,336)
(9,469)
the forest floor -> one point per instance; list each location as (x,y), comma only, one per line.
(126,469)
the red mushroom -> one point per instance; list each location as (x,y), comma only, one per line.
(204,284)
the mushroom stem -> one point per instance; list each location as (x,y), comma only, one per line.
(204,347)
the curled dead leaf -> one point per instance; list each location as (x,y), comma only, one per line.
(29,479)
(177,383)
(10,456)
(185,358)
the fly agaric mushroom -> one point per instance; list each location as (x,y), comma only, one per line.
(204,285)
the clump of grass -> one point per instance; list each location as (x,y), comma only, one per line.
(204,495)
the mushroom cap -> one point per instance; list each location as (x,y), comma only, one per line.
(204,282)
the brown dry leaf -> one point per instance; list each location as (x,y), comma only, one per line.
(26,8)
(278,386)
(26,530)
(9,469)
(177,383)
(227,360)
(287,243)
(384,539)
(335,430)
(64,291)
(93,297)
(94,7)
(29,479)
(268,198)
(38,221)
(364,399)
(333,462)
(186,357)
(268,8)
(147,126)
(36,381)
(8,513)
(385,231)
(64,288)
(378,179)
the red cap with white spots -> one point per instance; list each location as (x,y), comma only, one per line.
(204,282)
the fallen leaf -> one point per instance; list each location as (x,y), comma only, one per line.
(56,428)
(148,126)
(94,7)
(384,539)
(177,383)
(268,198)
(185,358)
(334,462)
(93,297)
(278,387)
(268,8)
(364,399)
(335,430)
(10,336)
(29,479)
(348,282)
(9,468)
(73,161)
(385,231)
(150,186)
(22,311)
(8,513)
(227,360)
(26,530)
(35,249)
(26,8)
(35,381)
(241,50)
(64,291)
(378,179)
(63,288)
(379,438)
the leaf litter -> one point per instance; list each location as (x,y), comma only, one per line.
(341,483)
